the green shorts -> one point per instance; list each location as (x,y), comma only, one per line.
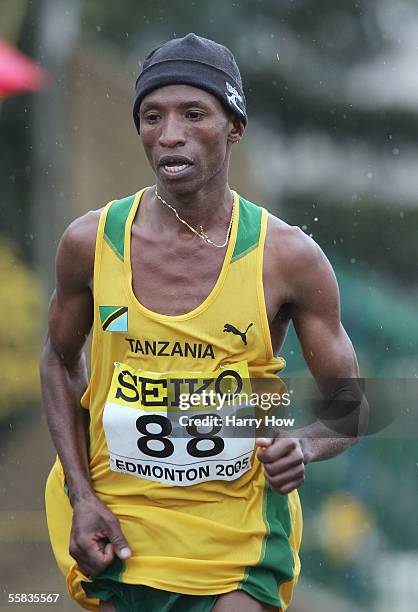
(133,597)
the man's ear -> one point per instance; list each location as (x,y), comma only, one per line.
(236,129)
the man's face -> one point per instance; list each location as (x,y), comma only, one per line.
(185,132)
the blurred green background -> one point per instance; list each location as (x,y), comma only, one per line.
(331,146)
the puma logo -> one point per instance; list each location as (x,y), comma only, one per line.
(232,329)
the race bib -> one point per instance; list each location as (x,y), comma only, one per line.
(171,427)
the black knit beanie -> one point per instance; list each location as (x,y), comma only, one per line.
(196,61)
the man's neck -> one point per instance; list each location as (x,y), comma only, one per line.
(209,207)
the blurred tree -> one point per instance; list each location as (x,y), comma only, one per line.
(366,236)
(20,299)
(15,146)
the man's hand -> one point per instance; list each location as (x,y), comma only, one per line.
(96,537)
(284,463)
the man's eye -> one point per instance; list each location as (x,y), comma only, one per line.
(195,115)
(152,117)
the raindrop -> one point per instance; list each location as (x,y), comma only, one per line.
(370,175)
(99,28)
(395,151)
(316,219)
(304,227)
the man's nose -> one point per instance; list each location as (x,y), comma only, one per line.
(172,133)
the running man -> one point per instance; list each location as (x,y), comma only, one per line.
(182,281)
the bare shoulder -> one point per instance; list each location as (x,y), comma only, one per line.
(296,263)
(75,255)
(290,247)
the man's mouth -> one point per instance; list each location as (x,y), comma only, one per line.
(175,169)
(175,164)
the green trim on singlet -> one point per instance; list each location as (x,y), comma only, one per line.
(276,564)
(249,228)
(114,231)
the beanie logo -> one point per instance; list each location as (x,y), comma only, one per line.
(233,97)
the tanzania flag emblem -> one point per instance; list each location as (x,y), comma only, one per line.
(114,318)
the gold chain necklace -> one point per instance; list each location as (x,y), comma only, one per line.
(202,233)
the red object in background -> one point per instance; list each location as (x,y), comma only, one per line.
(18,74)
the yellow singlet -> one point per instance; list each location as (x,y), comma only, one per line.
(193,505)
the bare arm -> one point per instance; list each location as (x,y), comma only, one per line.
(315,311)
(96,534)
(329,355)
(63,368)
